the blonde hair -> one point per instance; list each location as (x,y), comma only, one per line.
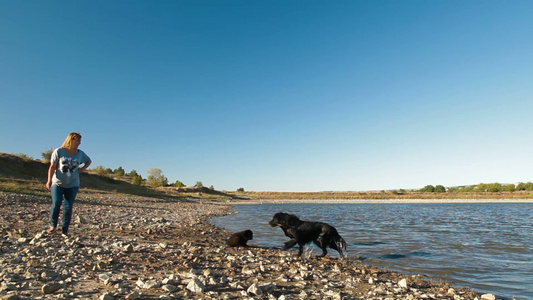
(67,144)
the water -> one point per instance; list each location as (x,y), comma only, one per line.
(486,246)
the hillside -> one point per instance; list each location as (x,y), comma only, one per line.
(19,174)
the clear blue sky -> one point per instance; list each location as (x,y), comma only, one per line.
(276,95)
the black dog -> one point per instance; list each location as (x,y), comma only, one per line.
(304,232)
(240,238)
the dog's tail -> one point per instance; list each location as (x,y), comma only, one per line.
(341,245)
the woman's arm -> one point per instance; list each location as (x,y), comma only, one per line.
(51,171)
(85,166)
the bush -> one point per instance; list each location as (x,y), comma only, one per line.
(25,157)
(100,170)
(240,190)
(179,184)
(199,184)
(399,192)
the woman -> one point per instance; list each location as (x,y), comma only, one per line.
(64,179)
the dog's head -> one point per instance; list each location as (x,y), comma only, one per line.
(248,234)
(284,220)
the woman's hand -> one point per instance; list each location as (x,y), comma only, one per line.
(48,185)
(85,166)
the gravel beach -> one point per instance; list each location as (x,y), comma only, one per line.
(131,247)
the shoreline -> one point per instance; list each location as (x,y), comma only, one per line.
(131,247)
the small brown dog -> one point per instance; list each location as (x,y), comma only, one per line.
(240,238)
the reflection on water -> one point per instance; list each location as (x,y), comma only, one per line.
(487,246)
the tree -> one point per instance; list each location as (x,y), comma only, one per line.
(199,184)
(137,180)
(133,173)
(428,189)
(508,188)
(494,187)
(240,190)
(119,171)
(481,188)
(47,155)
(524,186)
(440,189)
(156,178)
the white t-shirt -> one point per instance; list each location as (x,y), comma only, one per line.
(66,174)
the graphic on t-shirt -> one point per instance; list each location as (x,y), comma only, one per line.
(68,165)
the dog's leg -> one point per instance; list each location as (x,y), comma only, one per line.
(301,249)
(320,244)
(324,252)
(289,244)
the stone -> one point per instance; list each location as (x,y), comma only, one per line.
(8,287)
(80,220)
(488,297)
(169,288)
(403,283)
(195,285)
(254,290)
(151,284)
(104,278)
(106,296)
(133,296)
(48,275)
(51,288)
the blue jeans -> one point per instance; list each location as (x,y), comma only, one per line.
(58,194)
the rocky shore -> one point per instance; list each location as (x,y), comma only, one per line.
(131,247)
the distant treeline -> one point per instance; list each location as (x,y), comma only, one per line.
(155,177)
(482,187)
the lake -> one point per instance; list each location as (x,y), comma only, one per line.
(486,246)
